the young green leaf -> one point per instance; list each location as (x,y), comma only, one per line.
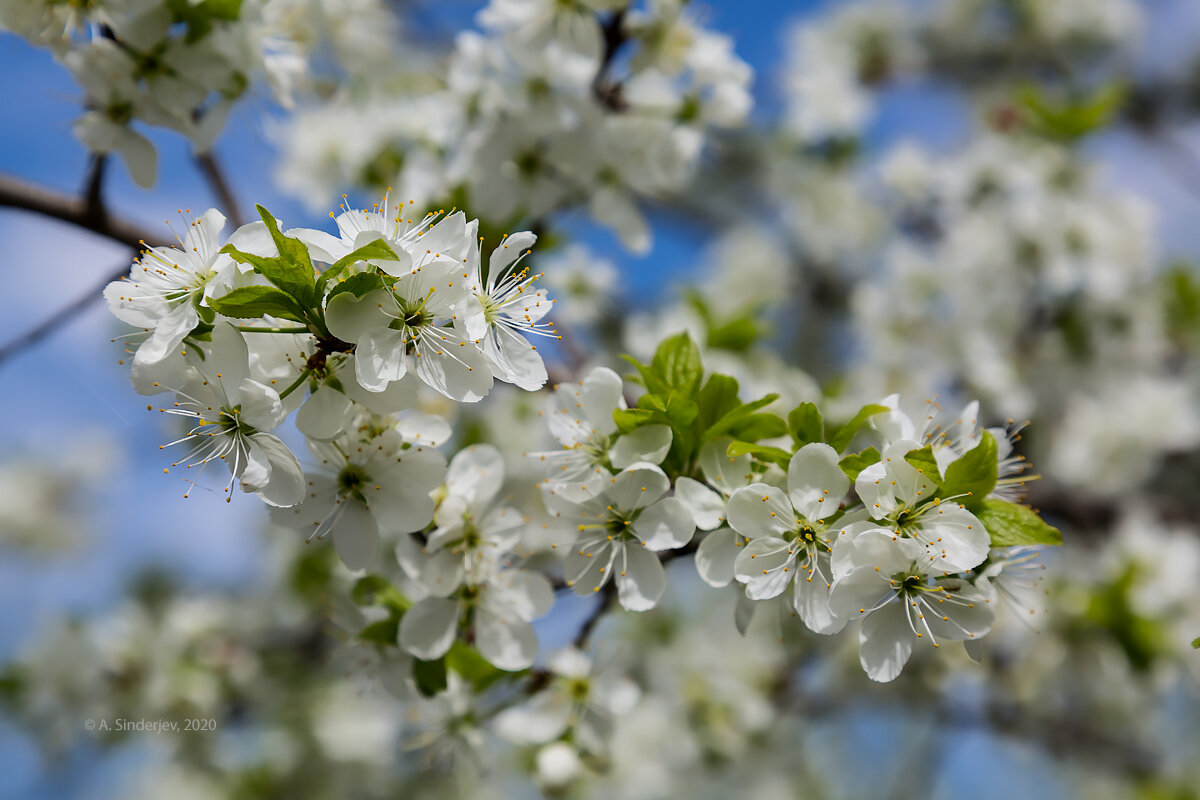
(734,417)
(806,424)
(717,398)
(974,473)
(430,676)
(1010,524)
(857,462)
(359,284)
(677,363)
(925,463)
(772,455)
(630,419)
(841,439)
(759,426)
(293,270)
(473,667)
(253,302)
(377,250)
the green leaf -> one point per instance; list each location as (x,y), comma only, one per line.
(677,409)
(1071,119)
(806,424)
(925,464)
(292,271)
(759,426)
(223,9)
(973,473)
(647,376)
(377,250)
(857,462)
(360,284)
(430,676)
(731,419)
(372,590)
(253,302)
(1010,524)
(718,397)
(630,419)
(1196,643)
(841,440)
(772,455)
(677,363)
(474,668)
(383,632)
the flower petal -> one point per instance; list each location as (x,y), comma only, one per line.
(648,443)
(428,629)
(641,581)
(715,557)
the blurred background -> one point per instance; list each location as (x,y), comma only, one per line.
(973,199)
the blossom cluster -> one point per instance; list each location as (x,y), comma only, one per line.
(912,534)
(180,66)
(552,105)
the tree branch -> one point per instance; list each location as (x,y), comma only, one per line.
(25,196)
(608,596)
(218,184)
(52,323)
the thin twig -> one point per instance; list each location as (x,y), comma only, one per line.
(608,596)
(214,175)
(56,320)
(23,195)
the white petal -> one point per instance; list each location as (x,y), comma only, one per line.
(706,506)
(379,358)
(285,486)
(508,644)
(649,443)
(760,510)
(761,566)
(349,317)
(460,373)
(400,495)
(885,643)
(954,538)
(743,613)
(428,629)
(810,598)
(542,719)
(726,472)
(514,245)
(666,525)
(642,581)
(521,594)
(601,396)
(715,557)
(515,360)
(637,487)
(356,536)
(260,405)
(325,414)
(476,474)
(816,482)
(169,332)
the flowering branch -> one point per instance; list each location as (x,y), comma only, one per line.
(26,196)
(218,183)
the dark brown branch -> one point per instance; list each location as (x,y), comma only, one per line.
(608,596)
(218,184)
(58,319)
(25,196)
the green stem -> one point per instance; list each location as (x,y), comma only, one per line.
(254,329)
(296,383)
